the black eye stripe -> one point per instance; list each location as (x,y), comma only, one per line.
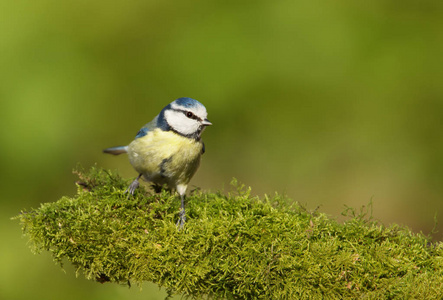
(191,116)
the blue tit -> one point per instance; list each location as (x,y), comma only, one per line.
(167,150)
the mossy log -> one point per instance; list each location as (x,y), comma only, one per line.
(232,246)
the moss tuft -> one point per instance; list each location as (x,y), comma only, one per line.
(234,246)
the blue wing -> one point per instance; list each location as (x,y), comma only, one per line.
(142,132)
(148,127)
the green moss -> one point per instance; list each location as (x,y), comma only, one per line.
(234,246)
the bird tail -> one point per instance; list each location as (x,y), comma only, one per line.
(116,150)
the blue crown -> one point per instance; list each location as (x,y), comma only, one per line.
(187,102)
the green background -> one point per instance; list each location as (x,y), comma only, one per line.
(331,103)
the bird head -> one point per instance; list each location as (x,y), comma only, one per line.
(186,116)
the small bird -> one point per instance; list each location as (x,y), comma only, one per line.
(167,150)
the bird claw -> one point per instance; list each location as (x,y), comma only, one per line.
(132,187)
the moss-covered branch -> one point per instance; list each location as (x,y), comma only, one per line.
(234,246)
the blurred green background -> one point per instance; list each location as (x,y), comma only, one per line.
(332,103)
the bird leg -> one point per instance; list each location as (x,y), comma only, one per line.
(133,186)
(181,221)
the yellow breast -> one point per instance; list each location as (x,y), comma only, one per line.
(165,157)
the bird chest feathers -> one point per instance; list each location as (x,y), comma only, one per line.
(165,157)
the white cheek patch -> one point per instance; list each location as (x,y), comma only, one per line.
(180,123)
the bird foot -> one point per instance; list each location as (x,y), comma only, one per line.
(132,187)
(181,221)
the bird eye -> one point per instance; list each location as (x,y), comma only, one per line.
(189,114)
